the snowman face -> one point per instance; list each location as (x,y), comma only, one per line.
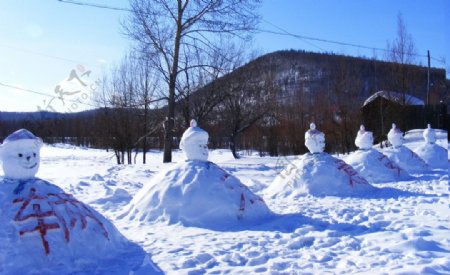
(396,139)
(315,143)
(21,163)
(196,152)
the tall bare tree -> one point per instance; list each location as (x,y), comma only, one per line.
(168,30)
(401,51)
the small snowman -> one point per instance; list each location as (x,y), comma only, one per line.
(44,228)
(194,143)
(434,155)
(364,139)
(317,174)
(402,155)
(314,140)
(395,136)
(429,135)
(20,153)
(372,164)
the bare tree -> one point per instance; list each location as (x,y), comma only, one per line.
(401,51)
(202,91)
(167,30)
(250,99)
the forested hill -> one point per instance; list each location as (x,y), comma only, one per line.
(320,72)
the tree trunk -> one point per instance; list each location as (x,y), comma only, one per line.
(168,139)
(232,144)
(144,151)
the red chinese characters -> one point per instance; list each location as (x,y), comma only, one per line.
(53,211)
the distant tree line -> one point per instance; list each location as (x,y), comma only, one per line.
(265,105)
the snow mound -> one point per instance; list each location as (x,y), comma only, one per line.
(197,193)
(318,175)
(406,159)
(434,155)
(375,166)
(46,231)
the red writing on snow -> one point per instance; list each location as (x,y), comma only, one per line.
(242,203)
(353,175)
(74,209)
(388,163)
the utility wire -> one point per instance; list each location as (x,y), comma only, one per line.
(303,37)
(281,31)
(94,5)
(45,55)
(43,94)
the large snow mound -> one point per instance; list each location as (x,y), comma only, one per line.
(375,166)
(318,175)
(46,231)
(434,155)
(406,159)
(197,193)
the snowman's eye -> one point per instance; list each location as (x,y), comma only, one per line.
(20,155)
(34,154)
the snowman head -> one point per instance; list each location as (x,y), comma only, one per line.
(194,143)
(364,139)
(429,135)
(20,155)
(395,136)
(314,139)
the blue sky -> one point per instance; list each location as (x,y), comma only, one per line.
(44,40)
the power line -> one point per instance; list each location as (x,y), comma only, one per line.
(45,55)
(94,5)
(282,31)
(303,37)
(43,94)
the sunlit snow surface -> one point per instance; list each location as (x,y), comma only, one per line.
(405,229)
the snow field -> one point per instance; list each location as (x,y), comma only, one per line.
(405,228)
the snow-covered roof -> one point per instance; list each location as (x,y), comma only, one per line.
(396,97)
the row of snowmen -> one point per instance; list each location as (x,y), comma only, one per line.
(45,230)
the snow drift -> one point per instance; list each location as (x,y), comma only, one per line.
(403,156)
(45,230)
(197,193)
(434,155)
(318,175)
(375,166)
(371,164)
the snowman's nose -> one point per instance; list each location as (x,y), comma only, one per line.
(28,157)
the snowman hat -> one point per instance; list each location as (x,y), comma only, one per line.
(312,131)
(19,139)
(194,136)
(395,129)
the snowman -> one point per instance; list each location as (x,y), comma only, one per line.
(318,173)
(402,155)
(364,139)
(372,164)
(196,192)
(434,155)
(45,230)
(194,143)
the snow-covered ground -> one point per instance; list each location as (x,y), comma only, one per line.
(404,229)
